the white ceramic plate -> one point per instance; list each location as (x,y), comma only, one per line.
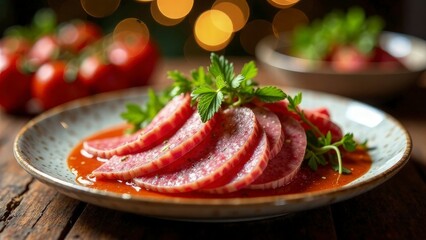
(43,145)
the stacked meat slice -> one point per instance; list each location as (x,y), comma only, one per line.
(244,147)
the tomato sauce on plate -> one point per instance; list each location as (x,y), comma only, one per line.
(82,165)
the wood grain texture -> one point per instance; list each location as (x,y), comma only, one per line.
(103,223)
(395,210)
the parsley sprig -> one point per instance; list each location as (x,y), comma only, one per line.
(139,116)
(220,86)
(320,145)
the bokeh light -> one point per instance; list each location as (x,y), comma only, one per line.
(129,32)
(174,9)
(237,10)
(287,19)
(160,18)
(213,30)
(100,8)
(131,25)
(283,3)
(253,32)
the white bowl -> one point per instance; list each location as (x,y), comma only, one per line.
(376,83)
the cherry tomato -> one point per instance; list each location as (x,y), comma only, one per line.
(348,59)
(76,35)
(51,87)
(15,87)
(101,77)
(44,49)
(135,57)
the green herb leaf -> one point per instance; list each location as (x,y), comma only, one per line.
(249,70)
(208,104)
(140,116)
(270,94)
(236,82)
(319,144)
(221,68)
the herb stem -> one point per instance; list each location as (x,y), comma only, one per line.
(311,125)
(324,149)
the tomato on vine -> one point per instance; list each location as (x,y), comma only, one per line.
(53,85)
(100,76)
(15,86)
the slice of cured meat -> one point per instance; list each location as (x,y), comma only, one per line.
(167,121)
(271,124)
(282,168)
(245,172)
(319,117)
(236,134)
(133,165)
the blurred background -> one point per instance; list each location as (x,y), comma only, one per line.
(172,23)
(54,51)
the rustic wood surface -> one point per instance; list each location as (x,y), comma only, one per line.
(394,210)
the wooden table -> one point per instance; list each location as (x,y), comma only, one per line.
(394,210)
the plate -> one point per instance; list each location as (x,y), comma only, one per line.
(43,144)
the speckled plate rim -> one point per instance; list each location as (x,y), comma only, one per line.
(322,197)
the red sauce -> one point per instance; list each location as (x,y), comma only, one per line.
(305,181)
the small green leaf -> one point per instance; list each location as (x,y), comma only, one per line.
(249,70)
(220,67)
(270,94)
(200,77)
(349,143)
(201,90)
(208,104)
(180,83)
(344,170)
(236,82)
(312,163)
(220,83)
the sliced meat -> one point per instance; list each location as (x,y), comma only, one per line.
(282,168)
(235,134)
(133,165)
(324,124)
(271,124)
(245,172)
(167,121)
(319,117)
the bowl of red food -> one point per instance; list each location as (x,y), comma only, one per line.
(346,54)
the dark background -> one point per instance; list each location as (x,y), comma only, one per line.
(405,16)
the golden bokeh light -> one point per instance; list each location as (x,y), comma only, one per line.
(283,3)
(132,32)
(100,8)
(253,32)
(287,19)
(237,10)
(160,18)
(174,9)
(131,25)
(213,30)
